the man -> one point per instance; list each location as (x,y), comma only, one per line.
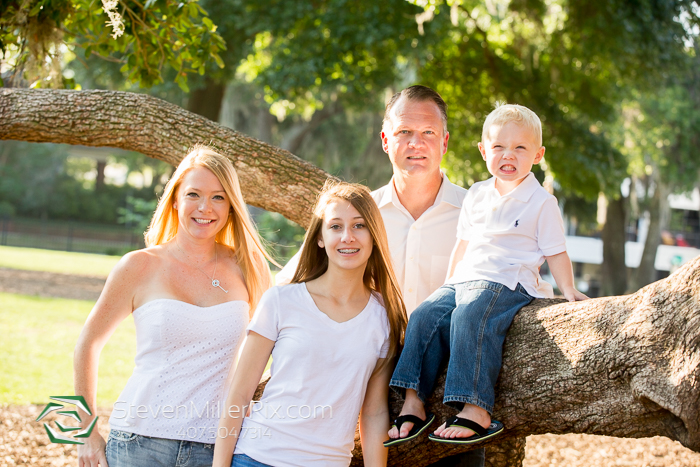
(420,206)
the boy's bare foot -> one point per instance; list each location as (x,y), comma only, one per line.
(411,406)
(470,412)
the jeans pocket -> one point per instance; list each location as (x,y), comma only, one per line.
(524,293)
(122,436)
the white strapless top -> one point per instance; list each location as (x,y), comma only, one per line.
(183,355)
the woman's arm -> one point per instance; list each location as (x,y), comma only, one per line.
(374,416)
(250,368)
(114,304)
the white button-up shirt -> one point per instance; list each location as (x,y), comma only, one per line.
(420,248)
(509,235)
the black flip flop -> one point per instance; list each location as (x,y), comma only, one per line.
(481,433)
(419,426)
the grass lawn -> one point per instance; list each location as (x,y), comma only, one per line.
(33,259)
(36,349)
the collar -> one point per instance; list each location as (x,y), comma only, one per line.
(448,193)
(522,192)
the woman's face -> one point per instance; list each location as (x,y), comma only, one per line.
(202,204)
(345,237)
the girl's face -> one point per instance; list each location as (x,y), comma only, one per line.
(202,205)
(345,237)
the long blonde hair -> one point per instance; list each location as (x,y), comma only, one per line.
(379,274)
(239,232)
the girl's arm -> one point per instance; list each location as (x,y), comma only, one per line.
(251,366)
(114,304)
(560,266)
(374,416)
(457,256)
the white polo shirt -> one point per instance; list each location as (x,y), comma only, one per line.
(420,248)
(509,235)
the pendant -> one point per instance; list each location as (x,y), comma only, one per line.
(216,283)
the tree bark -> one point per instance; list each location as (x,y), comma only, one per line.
(646,272)
(626,366)
(271,178)
(614,268)
(207,100)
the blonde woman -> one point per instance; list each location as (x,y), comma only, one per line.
(191,292)
(332,334)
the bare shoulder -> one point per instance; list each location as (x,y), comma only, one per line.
(138,264)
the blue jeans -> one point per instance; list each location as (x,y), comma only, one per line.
(131,450)
(467,322)
(241,460)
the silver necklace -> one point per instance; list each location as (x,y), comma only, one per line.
(214,282)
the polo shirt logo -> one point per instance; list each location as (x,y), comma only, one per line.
(516,222)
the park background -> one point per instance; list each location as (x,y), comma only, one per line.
(615,83)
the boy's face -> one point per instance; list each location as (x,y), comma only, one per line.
(510,151)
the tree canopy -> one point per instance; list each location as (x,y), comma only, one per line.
(311,77)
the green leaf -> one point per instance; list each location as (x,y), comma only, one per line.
(36,9)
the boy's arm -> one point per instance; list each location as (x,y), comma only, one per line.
(456,256)
(560,266)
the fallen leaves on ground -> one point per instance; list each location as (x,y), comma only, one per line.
(24,442)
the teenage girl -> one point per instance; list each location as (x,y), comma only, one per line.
(332,333)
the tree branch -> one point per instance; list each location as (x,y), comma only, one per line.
(271,178)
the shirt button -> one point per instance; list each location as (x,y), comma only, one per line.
(411,258)
(495,209)
(411,289)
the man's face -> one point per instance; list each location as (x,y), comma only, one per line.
(414,137)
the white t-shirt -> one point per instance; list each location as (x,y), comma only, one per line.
(320,368)
(420,248)
(509,235)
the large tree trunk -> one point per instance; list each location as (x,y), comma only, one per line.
(207,100)
(646,272)
(614,268)
(271,178)
(624,366)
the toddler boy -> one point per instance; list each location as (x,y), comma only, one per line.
(508,226)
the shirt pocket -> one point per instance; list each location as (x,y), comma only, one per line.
(438,271)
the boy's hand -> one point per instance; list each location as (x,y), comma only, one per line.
(574,295)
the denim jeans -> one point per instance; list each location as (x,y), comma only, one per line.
(131,450)
(467,322)
(241,460)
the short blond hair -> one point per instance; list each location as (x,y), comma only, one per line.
(507,113)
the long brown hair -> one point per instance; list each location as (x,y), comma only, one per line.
(379,274)
(239,232)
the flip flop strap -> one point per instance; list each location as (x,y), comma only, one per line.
(465,423)
(407,418)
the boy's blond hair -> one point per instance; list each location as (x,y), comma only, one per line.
(506,113)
